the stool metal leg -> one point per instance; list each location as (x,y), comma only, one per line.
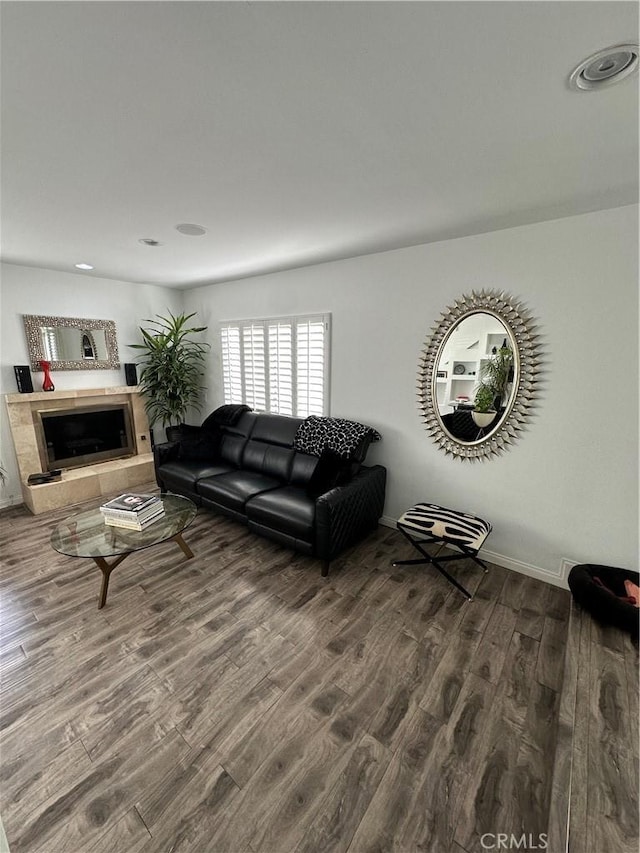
(417,562)
(428,559)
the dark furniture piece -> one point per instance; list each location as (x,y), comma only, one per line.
(251,472)
(444,527)
(461,425)
(87,535)
(601,591)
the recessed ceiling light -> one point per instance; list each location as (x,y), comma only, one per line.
(149,241)
(191,230)
(605,67)
(83,266)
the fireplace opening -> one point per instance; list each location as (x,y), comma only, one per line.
(85,435)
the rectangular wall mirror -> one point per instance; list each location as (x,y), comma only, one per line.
(71,343)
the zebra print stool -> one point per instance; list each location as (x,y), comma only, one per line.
(448,527)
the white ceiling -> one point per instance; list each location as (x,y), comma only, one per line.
(299,132)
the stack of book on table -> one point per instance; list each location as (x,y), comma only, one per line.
(132,511)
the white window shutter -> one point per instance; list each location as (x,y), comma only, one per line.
(231,364)
(281,367)
(255,384)
(310,362)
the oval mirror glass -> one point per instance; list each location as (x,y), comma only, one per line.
(475,377)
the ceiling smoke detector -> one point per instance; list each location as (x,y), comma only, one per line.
(605,67)
(191,230)
(149,241)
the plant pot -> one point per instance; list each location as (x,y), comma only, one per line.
(173,433)
(482,419)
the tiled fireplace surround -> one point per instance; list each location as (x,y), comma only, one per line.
(90,481)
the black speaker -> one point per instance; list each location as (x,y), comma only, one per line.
(131,374)
(23,378)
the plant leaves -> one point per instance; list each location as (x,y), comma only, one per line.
(172,367)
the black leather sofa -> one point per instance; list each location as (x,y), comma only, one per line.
(251,472)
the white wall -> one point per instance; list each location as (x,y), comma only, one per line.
(569,487)
(27,290)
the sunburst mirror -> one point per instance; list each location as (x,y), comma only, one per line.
(478,374)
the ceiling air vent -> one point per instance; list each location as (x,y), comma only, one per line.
(191,230)
(605,67)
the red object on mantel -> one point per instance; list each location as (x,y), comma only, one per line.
(47,382)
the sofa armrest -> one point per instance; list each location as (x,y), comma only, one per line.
(163,453)
(347,513)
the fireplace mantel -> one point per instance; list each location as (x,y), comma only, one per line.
(77,484)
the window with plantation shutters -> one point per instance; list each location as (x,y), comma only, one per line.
(280,365)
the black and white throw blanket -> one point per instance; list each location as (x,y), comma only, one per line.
(316,434)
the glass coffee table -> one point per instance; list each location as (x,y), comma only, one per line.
(86,535)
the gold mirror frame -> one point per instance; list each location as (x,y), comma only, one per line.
(522,330)
(34,322)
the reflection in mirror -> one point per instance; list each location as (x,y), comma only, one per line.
(475,375)
(71,343)
(89,348)
(66,344)
(478,374)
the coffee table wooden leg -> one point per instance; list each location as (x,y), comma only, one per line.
(106,570)
(183,545)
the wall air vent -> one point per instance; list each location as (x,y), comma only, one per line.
(605,67)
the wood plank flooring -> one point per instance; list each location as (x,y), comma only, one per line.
(239,703)
(603,813)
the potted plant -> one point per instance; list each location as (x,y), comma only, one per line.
(483,411)
(496,372)
(172,361)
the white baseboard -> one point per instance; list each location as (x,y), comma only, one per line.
(527,569)
(558,578)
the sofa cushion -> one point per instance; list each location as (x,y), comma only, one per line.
(234,439)
(184,473)
(235,488)
(288,509)
(302,469)
(231,449)
(332,470)
(199,446)
(276,429)
(268,459)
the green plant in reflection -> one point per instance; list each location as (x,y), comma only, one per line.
(496,373)
(484,399)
